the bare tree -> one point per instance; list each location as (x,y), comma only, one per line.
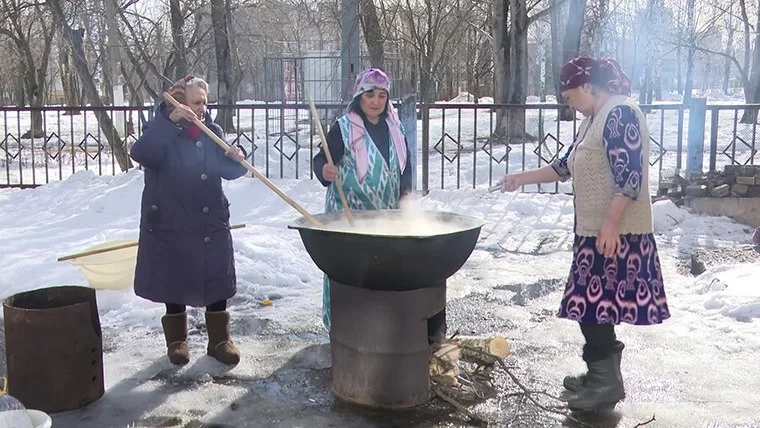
(28,26)
(730,30)
(372,32)
(178,38)
(432,29)
(69,79)
(570,47)
(104,121)
(227,72)
(511,19)
(752,85)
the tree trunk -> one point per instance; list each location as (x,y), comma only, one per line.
(427,90)
(69,81)
(113,49)
(556,52)
(518,70)
(571,45)
(34,72)
(373,35)
(20,91)
(689,79)
(688,84)
(35,91)
(220,20)
(104,63)
(753,95)
(729,52)
(502,52)
(679,77)
(180,51)
(104,121)
(747,32)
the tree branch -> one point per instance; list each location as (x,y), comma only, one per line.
(544,13)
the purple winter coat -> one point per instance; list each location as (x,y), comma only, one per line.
(185,254)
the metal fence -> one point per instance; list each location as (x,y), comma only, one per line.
(455,145)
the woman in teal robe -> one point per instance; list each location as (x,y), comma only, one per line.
(370,153)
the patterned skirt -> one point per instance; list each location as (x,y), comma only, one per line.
(627,288)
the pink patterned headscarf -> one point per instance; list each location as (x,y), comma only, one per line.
(604,73)
(367,80)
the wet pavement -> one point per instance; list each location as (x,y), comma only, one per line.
(689,372)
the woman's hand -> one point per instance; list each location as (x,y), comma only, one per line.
(511,182)
(182,112)
(329,172)
(608,241)
(235,153)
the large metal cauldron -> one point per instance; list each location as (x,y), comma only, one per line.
(385,262)
(383,291)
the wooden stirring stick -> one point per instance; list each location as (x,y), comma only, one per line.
(116,247)
(338,182)
(247,165)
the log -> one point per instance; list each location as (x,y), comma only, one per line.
(444,362)
(483,349)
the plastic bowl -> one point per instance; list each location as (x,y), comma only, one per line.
(39,419)
(112,270)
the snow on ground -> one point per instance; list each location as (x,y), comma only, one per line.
(731,291)
(698,367)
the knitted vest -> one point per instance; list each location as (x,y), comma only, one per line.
(593,183)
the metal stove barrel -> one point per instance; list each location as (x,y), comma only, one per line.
(384,290)
(379,344)
(54,348)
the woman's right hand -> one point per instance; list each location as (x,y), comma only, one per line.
(511,182)
(329,172)
(182,112)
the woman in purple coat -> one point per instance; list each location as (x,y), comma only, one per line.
(185,256)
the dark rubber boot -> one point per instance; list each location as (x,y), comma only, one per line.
(576,382)
(603,387)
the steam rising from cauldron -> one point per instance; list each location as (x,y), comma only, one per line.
(409,220)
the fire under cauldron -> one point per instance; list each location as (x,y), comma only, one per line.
(384,290)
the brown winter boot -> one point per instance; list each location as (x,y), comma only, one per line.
(219,344)
(175,332)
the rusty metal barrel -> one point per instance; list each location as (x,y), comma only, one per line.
(54,348)
(379,344)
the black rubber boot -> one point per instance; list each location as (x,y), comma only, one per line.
(576,382)
(603,386)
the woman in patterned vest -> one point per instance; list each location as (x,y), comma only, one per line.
(615,275)
(370,153)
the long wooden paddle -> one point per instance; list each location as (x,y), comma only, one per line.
(247,165)
(326,148)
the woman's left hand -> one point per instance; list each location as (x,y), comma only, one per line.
(608,241)
(235,153)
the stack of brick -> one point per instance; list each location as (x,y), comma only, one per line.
(744,180)
(739,181)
